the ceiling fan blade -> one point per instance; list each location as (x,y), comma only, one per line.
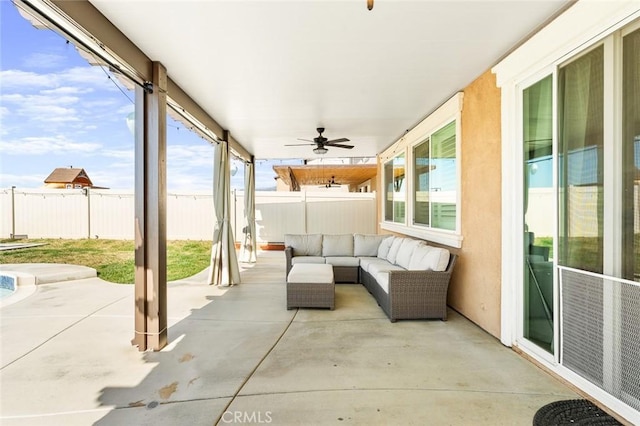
(337,145)
(306,140)
(337,140)
(300,144)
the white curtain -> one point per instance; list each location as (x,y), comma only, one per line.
(249,243)
(224,270)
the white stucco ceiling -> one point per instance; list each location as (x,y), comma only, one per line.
(272,71)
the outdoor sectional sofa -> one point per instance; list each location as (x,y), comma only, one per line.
(408,278)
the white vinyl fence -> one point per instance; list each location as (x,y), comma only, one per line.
(109,214)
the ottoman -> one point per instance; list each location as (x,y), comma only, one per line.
(310,285)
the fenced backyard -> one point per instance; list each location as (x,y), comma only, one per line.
(109,214)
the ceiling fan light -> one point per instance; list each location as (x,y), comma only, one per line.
(320,150)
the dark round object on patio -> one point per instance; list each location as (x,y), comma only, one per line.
(573,412)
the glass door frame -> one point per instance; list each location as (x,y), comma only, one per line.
(520,340)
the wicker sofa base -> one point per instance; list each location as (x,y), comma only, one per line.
(412,294)
(346,274)
(311,294)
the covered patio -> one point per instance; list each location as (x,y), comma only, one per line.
(416,84)
(238,356)
(255,78)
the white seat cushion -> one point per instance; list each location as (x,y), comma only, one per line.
(428,258)
(367,245)
(374,268)
(385,245)
(406,250)
(337,245)
(382,278)
(343,261)
(307,259)
(374,262)
(366,261)
(393,250)
(304,244)
(310,273)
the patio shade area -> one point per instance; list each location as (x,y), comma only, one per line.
(343,174)
(238,353)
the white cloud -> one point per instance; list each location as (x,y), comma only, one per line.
(185,181)
(43,60)
(122,154)
(104,103)
(46,145)
(85,77)
(50,113)
(50,109)
(189,156)
(26,100)
(58,105)
(20,181)
(110,178)
(17,78)
(67,90)
(125,109)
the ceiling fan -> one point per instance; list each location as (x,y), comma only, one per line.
(321,142)
(331,183)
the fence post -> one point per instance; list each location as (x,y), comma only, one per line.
(87,194)
(13,212)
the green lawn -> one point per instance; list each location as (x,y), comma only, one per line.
(113,259)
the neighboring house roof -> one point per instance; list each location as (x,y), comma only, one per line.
(67,175)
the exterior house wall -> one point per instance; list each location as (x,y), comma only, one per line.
(475,289)
(82,181)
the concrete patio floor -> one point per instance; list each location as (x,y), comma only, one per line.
(237,356)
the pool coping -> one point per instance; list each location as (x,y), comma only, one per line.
(30,275)
(25,284)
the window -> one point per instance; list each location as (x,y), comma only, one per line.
(421,167)
(581,175)
(395,192)
(435,180)
(421,178)
(631,157)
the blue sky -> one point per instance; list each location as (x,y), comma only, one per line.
(58,111)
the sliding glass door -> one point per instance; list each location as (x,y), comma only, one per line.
(538,302)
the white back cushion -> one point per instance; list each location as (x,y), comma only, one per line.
(385,245)
(367,245)
(406,250)
(393,250)
(428,258)
(337,245)
(304,244)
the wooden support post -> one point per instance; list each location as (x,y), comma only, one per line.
(150,213)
